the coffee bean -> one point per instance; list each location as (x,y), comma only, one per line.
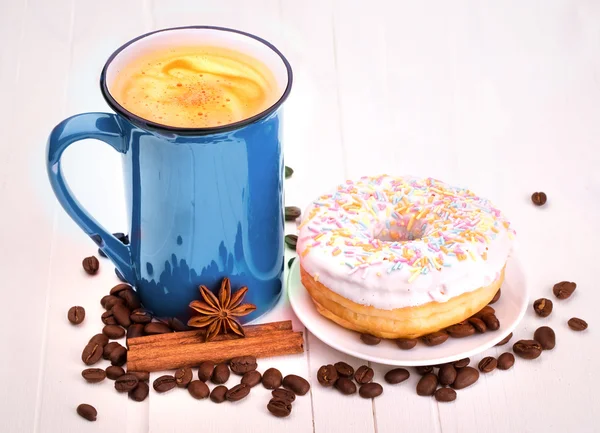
(283,394)
(126,383)
(140,315)
(280,408)
(327,375)
(345,386)
(292,213)
(506,361)
(121,314)
(112,301)
(114,332)
(290,261)
(465,377)
(119,288)
(371,340)
(424,369)
(434,338)
(100,339)
(291,241)
(131,298)
(527,349)
(447,374)
(478,324)
(118,356)
(542,307)
(90,265)
(91,354)
(298,384)
(577,324)
(104,299)
(343,369)
(220,374)
(406,343)
(205,370)
(546,337)
(87,411)
(108,318)
(243,364)
(272,378)
(485,310)
(539,198)
(76,315)
(427,384)
(155,328)
(252,378)
(445,395)
(143,376)
(461,363)
(487,364)
(93,375)
(164,383)
(183,376)
(135,330)
(177,325)
(505,340)
(397,375)
(109,348)
(122,237)
(198,389)
(217,395)
(496,296)
(364,374)
(238,392)
(460,330)
(564,289)
(113,372)
(370,390)
(289,171)
(140,392)
(491,322)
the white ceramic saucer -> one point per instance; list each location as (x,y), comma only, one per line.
(510,309)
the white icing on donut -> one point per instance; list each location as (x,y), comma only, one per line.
(393,242)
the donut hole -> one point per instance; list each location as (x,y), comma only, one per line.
(396,233)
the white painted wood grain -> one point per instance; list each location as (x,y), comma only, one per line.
(28,97)
(93,169)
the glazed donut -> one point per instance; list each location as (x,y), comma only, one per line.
(401,257)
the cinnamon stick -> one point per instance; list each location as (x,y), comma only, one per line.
(151,357)
(198,335)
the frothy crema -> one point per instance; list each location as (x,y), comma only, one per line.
(195,87)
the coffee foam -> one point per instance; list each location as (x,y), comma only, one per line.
(195,87)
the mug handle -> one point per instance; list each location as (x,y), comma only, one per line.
(99,126)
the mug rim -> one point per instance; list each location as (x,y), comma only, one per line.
(149,124)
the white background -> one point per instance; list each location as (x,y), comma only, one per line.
(499,96)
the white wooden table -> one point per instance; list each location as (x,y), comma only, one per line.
(503,97)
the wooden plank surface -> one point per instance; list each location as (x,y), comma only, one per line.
(501,97)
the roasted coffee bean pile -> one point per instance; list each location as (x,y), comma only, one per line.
(340,375)
(284,389)
(125,317)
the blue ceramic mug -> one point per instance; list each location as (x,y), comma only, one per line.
(203,204)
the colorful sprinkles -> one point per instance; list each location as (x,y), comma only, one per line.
(405,222)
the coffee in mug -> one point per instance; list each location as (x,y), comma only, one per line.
(195,86)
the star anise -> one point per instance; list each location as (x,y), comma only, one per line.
(220,314)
